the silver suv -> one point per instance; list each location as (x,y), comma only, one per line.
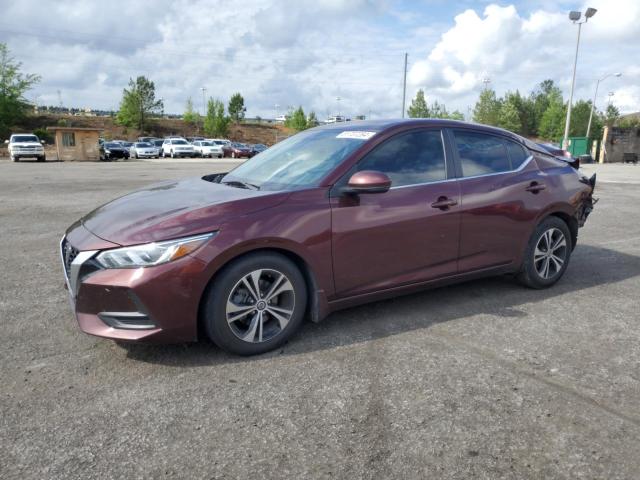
(25,145)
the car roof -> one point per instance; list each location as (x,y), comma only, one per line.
(382,125)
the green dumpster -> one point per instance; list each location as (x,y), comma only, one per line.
(578,146)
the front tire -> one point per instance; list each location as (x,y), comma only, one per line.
(255,304)
(547,254)
(14,158)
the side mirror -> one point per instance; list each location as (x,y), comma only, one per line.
(368,181)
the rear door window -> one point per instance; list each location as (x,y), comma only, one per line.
(517,153)
(409,158)
(481,154)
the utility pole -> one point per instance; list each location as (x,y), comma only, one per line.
(486,81)
(204,106)
(404,84)
(595,98)
(204,103)
(575,18)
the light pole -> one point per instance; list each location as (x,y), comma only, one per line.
(595,96)
(575,18)
(338,103)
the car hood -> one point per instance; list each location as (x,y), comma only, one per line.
(175,209)
(26,144)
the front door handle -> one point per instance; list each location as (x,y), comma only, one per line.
(535,187)
(444,203)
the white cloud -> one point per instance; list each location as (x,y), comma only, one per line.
(309,52)
(517,52)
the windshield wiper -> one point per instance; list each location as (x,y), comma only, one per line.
(238,183)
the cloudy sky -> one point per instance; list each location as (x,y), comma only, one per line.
(310,52)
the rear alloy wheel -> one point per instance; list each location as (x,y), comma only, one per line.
(547,254)
(255,304)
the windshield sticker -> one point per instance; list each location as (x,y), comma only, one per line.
(357,134)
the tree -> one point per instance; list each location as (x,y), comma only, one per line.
(297,120)
(540,100)
(190,116)
(312,120)
(216,123)
(418,107)
(487,108)
(580,118)
(553,119)
(510,111)
(13,86)
(236,108)
(611,115)
(138,103)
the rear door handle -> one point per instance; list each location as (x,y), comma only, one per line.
(444,203)
(535,187)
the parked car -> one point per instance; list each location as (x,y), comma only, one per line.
(335,119)
(256,148)
(157,143)
(25,145)
(331,217)
(177,147)
(204,149)
(194,139)
(113,150)
(560,153)
(219,141)
(236,150)
(143,150)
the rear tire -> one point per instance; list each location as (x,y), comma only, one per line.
(547,254)
(244,321)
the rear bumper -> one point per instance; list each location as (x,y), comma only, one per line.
(154,304)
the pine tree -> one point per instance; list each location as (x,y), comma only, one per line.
(418,107)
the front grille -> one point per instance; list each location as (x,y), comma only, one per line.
(69,254)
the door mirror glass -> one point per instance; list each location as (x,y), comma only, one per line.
(368,181)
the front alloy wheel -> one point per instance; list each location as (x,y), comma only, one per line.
(255,303)
(260,305)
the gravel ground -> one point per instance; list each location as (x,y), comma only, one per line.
(481,380)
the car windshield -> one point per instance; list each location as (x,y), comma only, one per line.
(143,145)
(179,142)
(24,138)
(297,162)
(206,144)
(113,145)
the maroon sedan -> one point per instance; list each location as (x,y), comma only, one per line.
(237,150)
(332,217)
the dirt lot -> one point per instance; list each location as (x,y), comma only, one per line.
(481,380)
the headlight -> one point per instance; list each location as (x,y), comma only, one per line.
(107,151)
(152,254)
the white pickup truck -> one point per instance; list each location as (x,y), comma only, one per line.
(25,145)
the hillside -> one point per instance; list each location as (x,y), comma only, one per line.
(249,133)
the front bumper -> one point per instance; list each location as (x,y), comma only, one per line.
(153,304)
